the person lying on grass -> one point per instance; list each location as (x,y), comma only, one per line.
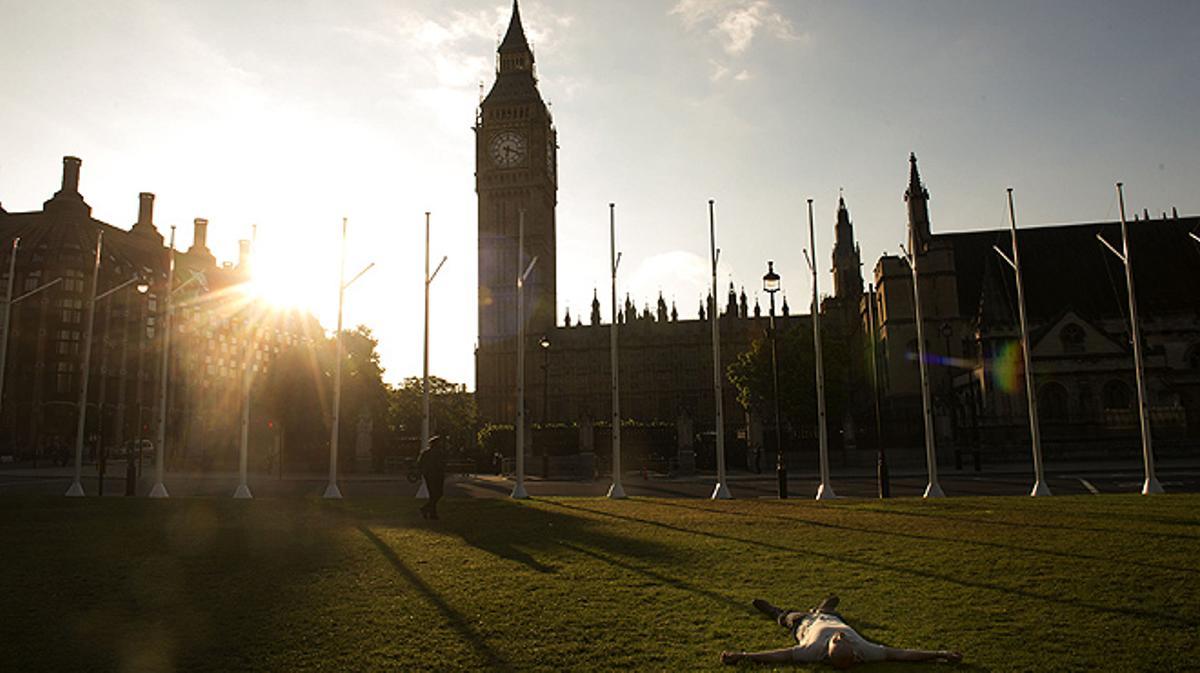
(821,635)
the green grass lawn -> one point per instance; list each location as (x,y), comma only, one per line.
(1017,584)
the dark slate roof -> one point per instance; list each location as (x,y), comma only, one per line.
(1064,266)
(510,87)
(514,40)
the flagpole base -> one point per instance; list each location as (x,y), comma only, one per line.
(1040,489)
(242,493)
(825,492)
(721,492)
(934,490)
(332,491)
(616,492)
(422,491)
(159,491)
(519,492)
(1150,487)
(76,490)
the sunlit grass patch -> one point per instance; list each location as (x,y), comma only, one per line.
(1067,583)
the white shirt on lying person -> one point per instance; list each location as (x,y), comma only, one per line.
(815,632)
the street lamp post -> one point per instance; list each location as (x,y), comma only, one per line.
(544,342)
(76,489)
(331,490)
(771,286)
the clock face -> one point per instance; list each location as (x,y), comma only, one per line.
(507,149)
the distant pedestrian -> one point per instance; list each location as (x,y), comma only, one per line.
(432,463)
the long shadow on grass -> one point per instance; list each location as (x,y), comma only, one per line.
(457,621)
(659,577)
(935,538)
(1046,526)
(1124,610)
(533,528)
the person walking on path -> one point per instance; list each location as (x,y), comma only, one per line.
(822,636)
(432,463)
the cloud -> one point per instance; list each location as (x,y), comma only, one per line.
(735,23)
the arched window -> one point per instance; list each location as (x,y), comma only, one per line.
(1116,395)
(1072,336)
(1052,401)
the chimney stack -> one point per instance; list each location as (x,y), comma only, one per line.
(244,255)
(70,176)
(200,234)
(145,210)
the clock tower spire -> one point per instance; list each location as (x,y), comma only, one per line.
(515,177)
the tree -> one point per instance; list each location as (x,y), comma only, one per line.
(297,392)
(451,412)
(751,375)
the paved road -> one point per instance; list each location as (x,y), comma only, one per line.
(1070,480)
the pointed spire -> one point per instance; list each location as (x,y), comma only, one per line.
(595,317)
(917,197)
(674,313)
(514,40)
(914,177)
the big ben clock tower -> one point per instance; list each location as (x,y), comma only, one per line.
(515,165)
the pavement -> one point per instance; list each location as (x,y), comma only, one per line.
(1178,476)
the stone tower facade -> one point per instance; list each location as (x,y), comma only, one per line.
(515,179)
(847,261)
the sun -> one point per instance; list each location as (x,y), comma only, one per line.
(284,283)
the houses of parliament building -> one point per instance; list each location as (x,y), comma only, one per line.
(1082,356)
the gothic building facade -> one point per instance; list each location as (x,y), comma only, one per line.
(665,360)
(1077,307)
(218,333)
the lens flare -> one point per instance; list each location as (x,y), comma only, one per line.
(1006,367)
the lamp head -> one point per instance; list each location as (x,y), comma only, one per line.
(771,279)
(544,342)
(143,285)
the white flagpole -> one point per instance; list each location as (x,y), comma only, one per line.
(721,490)
(1151,485)
(159,490)
(1040,488)
(331,490)
(615,491)
(243,489)
(933,489)
(519,488)
(825,490)
(76,489)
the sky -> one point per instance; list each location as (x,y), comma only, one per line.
(291,115)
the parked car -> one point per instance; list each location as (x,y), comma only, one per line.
(130,449)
